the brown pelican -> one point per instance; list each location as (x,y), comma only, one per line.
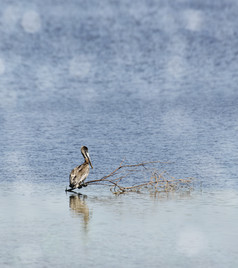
(80,173)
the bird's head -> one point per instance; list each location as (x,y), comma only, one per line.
(84,151)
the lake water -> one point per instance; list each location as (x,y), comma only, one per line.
(141,80)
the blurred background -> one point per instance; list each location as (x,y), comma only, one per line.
(137,80)
(141,80)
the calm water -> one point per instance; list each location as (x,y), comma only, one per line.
(141,80)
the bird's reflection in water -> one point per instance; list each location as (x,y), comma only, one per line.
(79,207)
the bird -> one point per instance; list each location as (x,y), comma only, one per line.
(80,173)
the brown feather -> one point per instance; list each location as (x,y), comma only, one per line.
(80,173)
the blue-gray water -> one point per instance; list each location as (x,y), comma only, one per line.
(141,80)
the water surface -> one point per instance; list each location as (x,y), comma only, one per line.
(141,80)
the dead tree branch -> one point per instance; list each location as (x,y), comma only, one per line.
(119,178)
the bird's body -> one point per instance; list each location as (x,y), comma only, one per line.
(80,173)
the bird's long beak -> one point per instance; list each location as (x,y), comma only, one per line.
(89,160)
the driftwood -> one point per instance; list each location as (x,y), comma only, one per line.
(119,179)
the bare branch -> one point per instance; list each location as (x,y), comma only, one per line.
(157,181)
